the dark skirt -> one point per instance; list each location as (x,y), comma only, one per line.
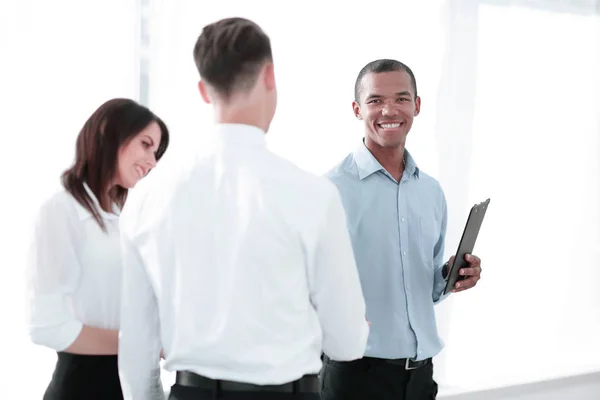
(78,377)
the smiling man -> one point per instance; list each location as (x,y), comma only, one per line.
(397,217)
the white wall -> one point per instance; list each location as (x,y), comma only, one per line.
(535,150)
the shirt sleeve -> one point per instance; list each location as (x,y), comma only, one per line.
(139,336)
(439,283)
(52,272)
(335,288)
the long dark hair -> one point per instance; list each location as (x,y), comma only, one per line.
(111,126)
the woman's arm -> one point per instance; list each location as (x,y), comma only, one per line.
(53,273)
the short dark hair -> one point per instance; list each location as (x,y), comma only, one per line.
(383,65)
(111,126)
(229,54)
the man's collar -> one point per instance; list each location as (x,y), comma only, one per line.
(367,164)
(227,134)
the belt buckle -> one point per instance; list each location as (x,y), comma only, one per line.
(407,365)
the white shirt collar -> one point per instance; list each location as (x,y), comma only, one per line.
(229,134)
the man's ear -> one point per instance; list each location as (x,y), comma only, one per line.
(417,106)
(269,76)
(356,109)
(203,92)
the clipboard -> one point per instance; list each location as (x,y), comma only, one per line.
(467,243)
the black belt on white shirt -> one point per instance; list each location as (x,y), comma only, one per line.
(306,384)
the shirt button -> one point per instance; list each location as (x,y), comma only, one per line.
(404,253)
(402,219)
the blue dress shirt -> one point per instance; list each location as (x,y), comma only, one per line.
(398,231)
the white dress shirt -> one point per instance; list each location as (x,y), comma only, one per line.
(74,272)
(240,266)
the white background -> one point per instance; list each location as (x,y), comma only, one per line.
(510,110)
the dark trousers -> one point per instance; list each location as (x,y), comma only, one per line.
(179,392)
(78,377)
(376,379)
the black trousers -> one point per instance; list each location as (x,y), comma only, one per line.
(78,377)
(179,392)
(376,379)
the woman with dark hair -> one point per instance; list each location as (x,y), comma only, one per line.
(75,259)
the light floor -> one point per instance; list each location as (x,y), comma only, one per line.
(582,387)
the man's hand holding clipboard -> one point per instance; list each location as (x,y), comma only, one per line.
(463,270)
(470,274)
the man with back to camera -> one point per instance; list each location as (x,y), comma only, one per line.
(397,219)
(240,266)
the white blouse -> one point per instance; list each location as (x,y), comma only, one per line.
(74,272)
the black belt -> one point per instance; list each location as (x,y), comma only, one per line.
(306,384)
(407,363)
